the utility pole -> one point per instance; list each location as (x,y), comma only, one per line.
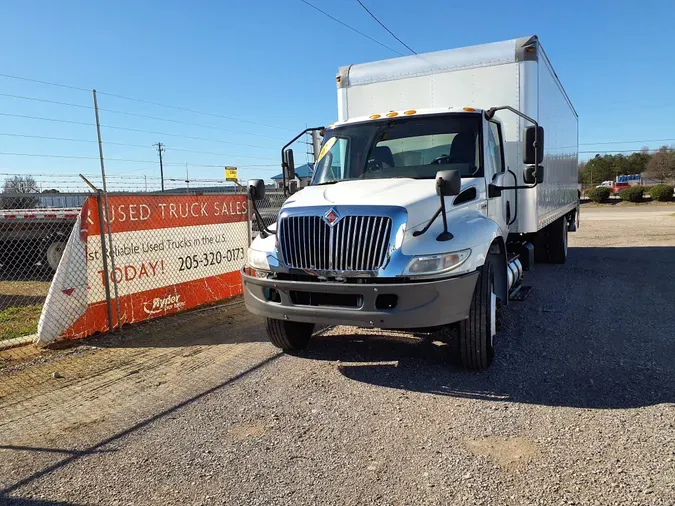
(160,150)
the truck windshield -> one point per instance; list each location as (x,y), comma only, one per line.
(414,147)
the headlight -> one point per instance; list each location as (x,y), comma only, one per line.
(436,264)
(258,260)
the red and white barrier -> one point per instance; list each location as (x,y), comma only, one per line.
(172,252)
(39,214)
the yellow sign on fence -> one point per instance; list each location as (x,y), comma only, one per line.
(231,174)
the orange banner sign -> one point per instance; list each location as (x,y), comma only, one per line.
(171,253)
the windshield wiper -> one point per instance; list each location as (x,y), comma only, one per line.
(329,182)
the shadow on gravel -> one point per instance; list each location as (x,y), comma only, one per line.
(52,450)
(596,332)
(100,447)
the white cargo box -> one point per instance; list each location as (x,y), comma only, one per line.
(515,73)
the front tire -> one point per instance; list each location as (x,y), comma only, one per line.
(476,333)
(289,336)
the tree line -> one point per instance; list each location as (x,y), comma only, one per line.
(658,166)
(21,192)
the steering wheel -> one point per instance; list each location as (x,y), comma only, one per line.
(443,159)
(375,165)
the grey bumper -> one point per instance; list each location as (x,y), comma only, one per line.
(420,304)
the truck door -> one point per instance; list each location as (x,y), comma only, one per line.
(499,208)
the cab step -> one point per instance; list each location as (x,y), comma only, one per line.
(521,293)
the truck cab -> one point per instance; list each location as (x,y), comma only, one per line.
(416,218)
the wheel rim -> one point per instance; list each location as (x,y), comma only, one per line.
(54,253)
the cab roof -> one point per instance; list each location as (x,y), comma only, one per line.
(376,115)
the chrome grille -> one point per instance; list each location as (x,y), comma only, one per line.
(355,243)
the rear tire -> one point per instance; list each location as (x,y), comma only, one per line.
(558,241)
(476,333)
(53,253)
(289,336)
(550,243)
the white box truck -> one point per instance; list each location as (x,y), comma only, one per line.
(446,176)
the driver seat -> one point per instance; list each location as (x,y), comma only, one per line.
(463,149)
(382,154)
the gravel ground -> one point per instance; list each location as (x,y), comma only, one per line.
(578,408)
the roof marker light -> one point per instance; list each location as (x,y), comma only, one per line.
(375,116)
(409,112)
(392,114)
(469,109)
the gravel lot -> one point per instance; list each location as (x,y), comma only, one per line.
(578,408)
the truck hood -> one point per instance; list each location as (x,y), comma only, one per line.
(417,196)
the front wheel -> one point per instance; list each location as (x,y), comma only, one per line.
(476,333)
(287,335)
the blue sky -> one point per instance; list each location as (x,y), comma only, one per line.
(271,64)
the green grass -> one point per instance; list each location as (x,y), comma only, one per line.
(19,321)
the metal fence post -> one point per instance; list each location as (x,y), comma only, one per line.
(107,215)
(106,273)
(249,222)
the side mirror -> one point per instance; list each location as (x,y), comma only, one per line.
(448,183)
(529,176)
(256,189)
(529,151)
(292,186)
(289,164)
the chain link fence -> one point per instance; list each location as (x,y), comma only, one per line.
(32,241)
(269,208)
(36,228)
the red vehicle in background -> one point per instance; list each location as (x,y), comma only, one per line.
(618,187)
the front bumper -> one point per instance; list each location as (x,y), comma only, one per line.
(419,304)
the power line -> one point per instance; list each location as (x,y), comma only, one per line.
(144,146)
(383,26)
(159,104)
(195,111)
(73,157)
(77,176)
(351,28)
(45,82)
(135,130)
(156,118)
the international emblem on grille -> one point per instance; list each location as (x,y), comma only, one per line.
(331,217)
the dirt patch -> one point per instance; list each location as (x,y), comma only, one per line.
(79,425)
(506,452)
(25,288)
(251,431)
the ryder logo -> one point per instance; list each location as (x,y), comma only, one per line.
(163,304)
